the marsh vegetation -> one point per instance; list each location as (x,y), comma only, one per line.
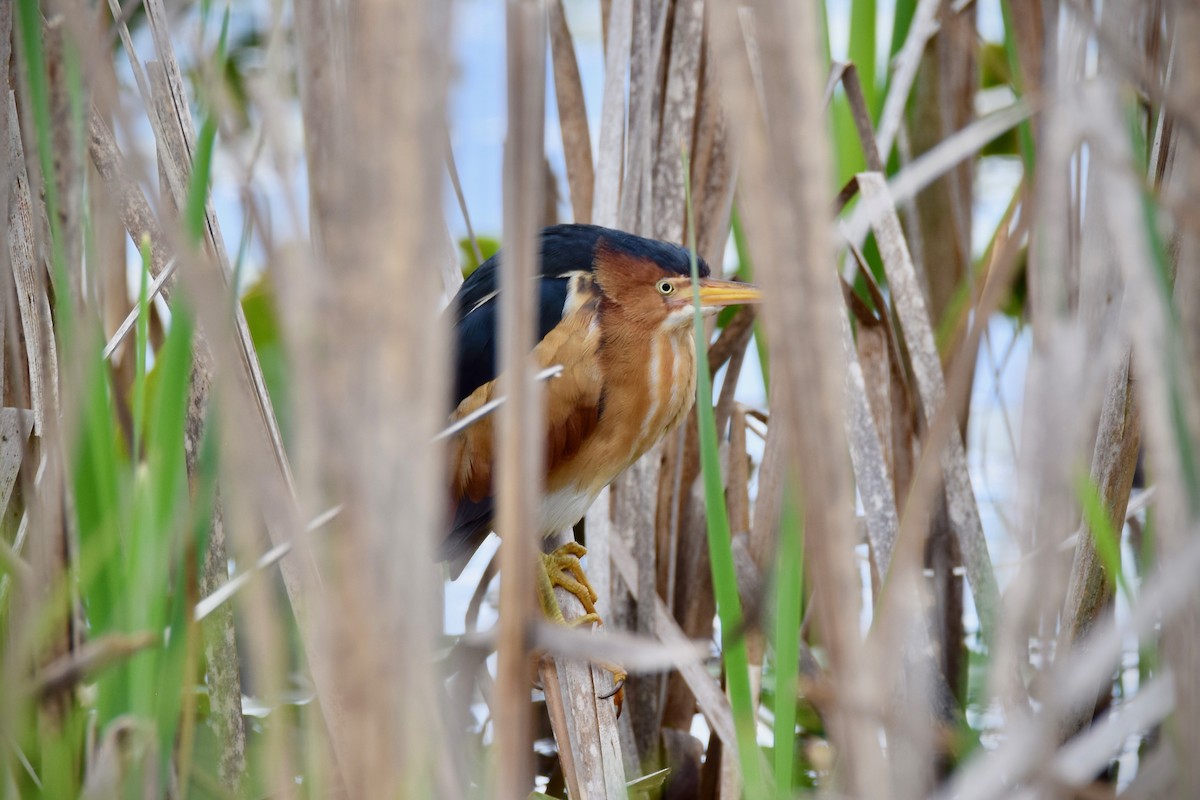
(950,550)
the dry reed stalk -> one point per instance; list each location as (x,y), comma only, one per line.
(321,63)
(867,453)
(584,720)
(678,118)
(5,286)
(19,375)
(635,513)
(848,75)
(787,221)
(1076,764)
(377,231)
(41,352)
(1181,639)
(16,425)
(709,696)
(890,392)
(942,103)
(1074,680)
(931,391)
(688,580)
(1059,381)
(907,62)
(607,199)
(902,646)
(892,615)
(714,168)
(125,194)
(1090,588)
(519,430)
(668,115)
(42,626)
(108,283)
(1029,33)
(572,115)
(645,88)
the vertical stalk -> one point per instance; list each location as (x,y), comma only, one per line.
(519,432)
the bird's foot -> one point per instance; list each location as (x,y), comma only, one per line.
(562,568)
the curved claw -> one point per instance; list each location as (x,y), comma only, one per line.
(620,685)
(617,694)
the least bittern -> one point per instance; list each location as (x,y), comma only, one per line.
(616,311)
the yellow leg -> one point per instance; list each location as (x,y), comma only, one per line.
(562,568)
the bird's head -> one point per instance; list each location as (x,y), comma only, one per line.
(652,285)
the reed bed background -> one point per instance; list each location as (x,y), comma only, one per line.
(220,459)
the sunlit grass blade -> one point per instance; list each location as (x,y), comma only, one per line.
(159,551)
(901,21)
(729,607)
(100,491)
(862,48)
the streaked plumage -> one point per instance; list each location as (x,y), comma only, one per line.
(615,312)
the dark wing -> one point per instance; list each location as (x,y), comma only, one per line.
(565,249)
(476,331)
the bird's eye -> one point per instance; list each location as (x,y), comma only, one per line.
(665,287)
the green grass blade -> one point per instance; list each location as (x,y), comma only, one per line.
(99,484)
(194,217)
(158,559)
(1024,130)
(1105,534)
(901,22)
(746,271)
(28,20)
(861,48)
(164,440)
(29,24)
(729,607)
(789,595)
(141,347)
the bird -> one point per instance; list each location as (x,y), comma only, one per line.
(616,312)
